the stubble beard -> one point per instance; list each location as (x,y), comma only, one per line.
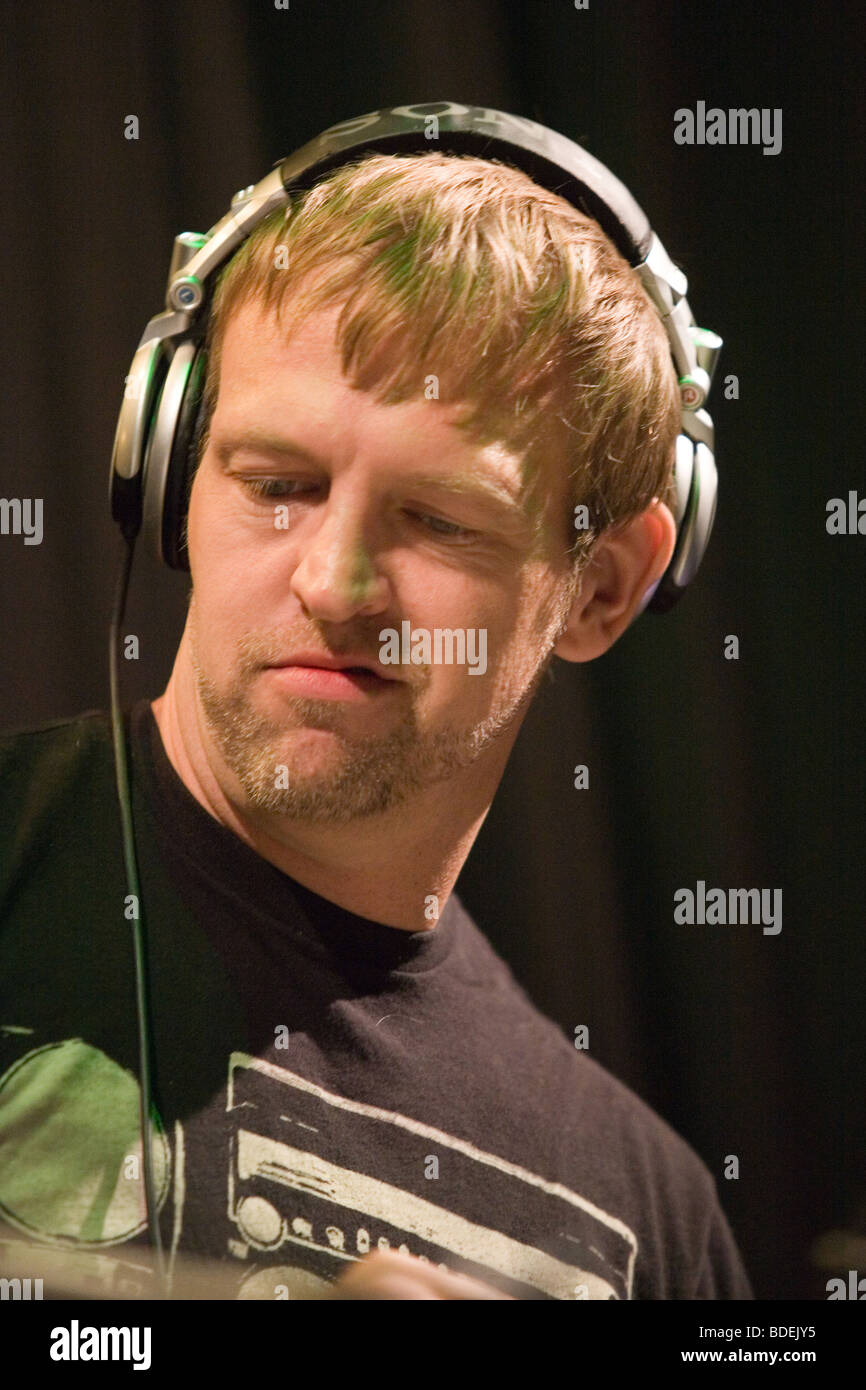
(370,775)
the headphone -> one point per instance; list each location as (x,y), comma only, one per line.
(160,422)
(161,418)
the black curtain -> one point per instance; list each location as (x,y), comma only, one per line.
(740,772)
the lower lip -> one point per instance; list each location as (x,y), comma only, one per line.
(329,685)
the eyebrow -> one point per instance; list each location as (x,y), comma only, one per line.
(483,486)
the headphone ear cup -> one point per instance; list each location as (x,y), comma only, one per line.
(182,464)
(697,487)
(134,434)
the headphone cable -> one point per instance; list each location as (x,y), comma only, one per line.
(121,769)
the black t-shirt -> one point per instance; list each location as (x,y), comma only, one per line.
(325,1084)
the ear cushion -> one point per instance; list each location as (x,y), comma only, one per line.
(182,464)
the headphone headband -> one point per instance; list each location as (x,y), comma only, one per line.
(157,426)
(549,159)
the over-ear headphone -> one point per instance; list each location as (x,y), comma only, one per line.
(158,431)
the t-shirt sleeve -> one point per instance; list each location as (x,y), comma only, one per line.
(721,1272)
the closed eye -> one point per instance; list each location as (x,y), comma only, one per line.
(268,487)
(454,532)
(275,488)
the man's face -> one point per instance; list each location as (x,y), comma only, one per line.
(319,518)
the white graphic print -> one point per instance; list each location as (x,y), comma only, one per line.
(306,1180)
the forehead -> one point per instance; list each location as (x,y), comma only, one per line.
(256,340)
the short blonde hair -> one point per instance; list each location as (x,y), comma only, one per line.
(517,302)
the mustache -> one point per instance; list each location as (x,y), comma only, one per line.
(258,650)
(255,651)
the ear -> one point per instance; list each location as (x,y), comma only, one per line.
(626,561)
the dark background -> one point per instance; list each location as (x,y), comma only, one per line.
(743,773)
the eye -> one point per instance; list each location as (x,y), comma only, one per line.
(451,532)
(270,487)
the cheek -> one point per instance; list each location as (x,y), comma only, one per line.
(222,572)
(502,606)
(197,529)
(521,634)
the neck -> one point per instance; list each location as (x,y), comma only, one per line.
(398,867)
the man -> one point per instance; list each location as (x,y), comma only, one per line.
(415,377)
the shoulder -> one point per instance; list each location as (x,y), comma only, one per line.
(605,1145)
(643,1169)
(633,1163)
(57,741)
(43,767)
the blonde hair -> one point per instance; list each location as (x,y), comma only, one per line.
(517,302)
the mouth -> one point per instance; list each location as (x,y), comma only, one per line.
(325,682)
(324,661)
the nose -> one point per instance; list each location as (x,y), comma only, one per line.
(336,577)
